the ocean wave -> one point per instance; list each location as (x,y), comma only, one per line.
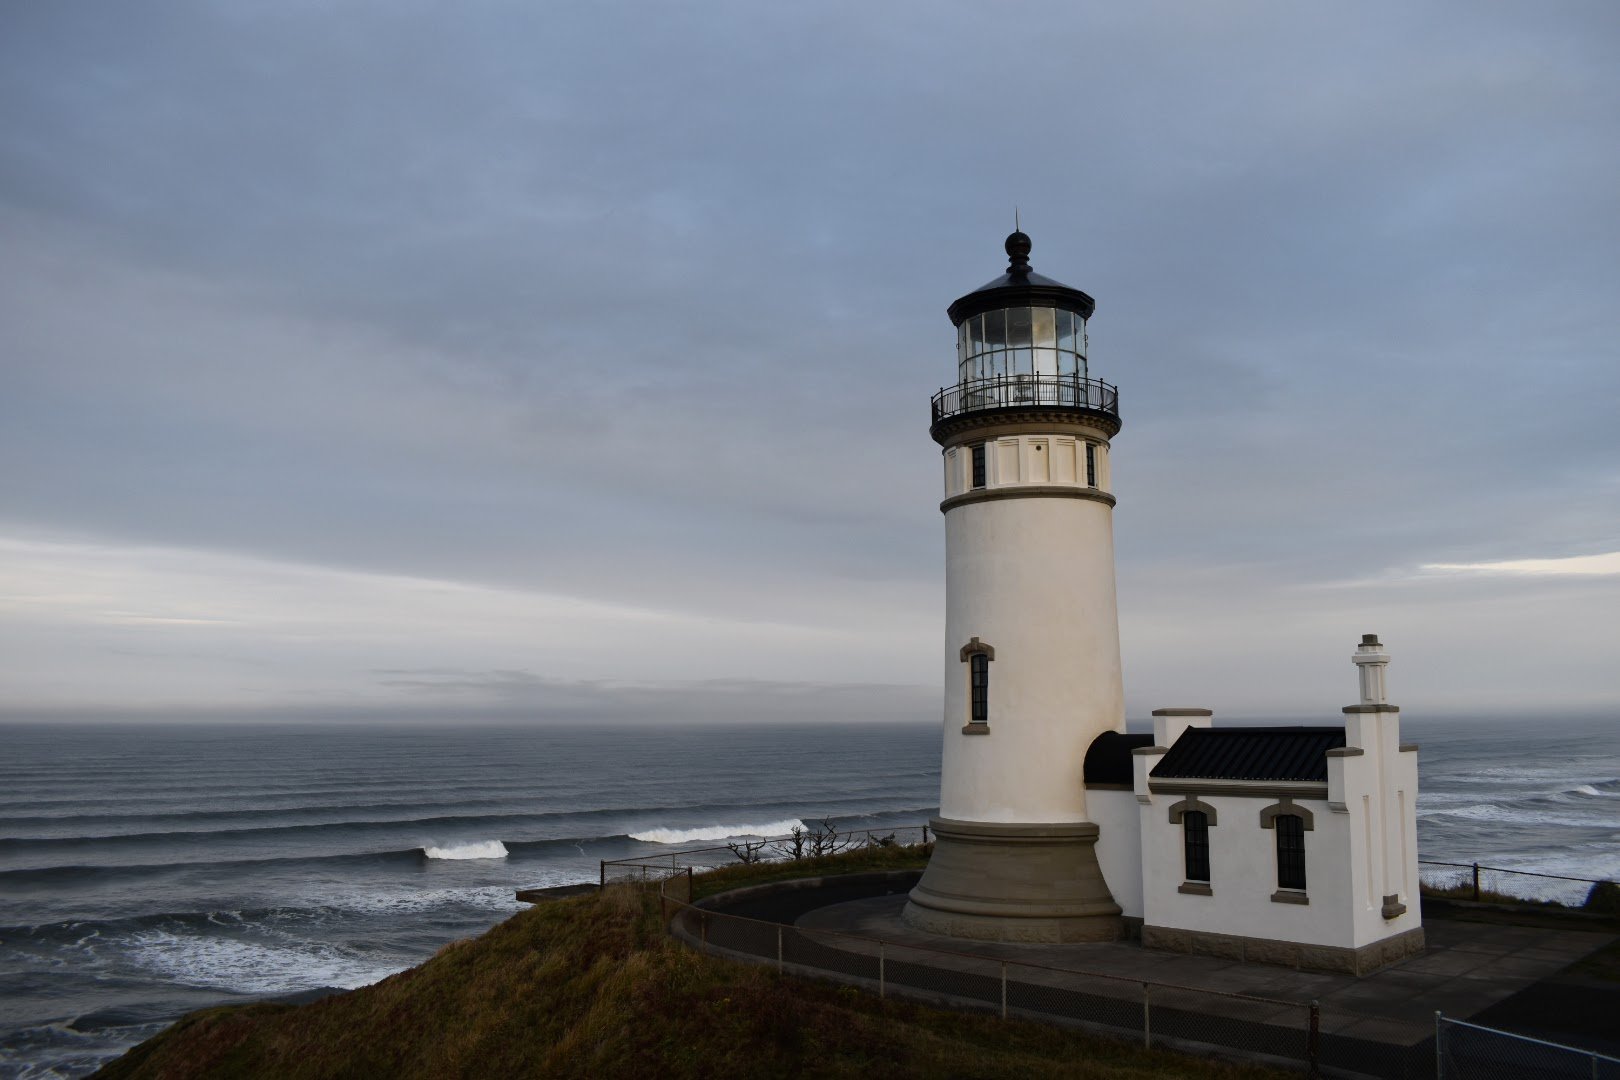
(716,832)
(250,967)
(1607,789)
(1509,815)
(477,849)
(311,907)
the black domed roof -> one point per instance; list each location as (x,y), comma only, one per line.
(1020,287)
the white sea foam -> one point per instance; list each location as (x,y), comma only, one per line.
(478,849)
(250,967)
(1511,816)
(1587,789)
(716,832)
(497,898)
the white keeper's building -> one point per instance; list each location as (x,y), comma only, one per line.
(1291,845)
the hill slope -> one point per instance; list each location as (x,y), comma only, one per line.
(594,987)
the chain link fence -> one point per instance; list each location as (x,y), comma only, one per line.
(1287,1033)
(1157,1014)
(1464,1051)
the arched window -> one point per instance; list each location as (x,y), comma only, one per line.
(1290,851)
(977,656)
(979,684)
(1195,844)
(1291,822)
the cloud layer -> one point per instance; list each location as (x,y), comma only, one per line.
(592,346)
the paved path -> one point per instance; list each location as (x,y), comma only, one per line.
(1467,968)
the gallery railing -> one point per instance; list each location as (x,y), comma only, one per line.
(1020,391)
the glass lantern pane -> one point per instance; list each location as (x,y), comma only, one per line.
(1043,327)
(1018,327)
(995,329)
(1065,330)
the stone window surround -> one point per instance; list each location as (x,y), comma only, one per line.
(1268,820)
(1191,803)
(973,648)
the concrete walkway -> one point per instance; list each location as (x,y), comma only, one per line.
(1467,968)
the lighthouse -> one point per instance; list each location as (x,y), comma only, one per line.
(1031,651)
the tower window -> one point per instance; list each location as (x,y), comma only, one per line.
(1290,851)
(979,688)
(978,465)
(1091,464)
(1195,844)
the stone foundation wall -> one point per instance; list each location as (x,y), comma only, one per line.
(1294,954)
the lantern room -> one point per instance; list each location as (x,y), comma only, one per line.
(1021,341)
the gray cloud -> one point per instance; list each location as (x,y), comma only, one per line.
(641,304)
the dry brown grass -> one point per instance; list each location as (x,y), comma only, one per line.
(593,987)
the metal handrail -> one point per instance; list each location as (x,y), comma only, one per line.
(1476,867)
(1022,391)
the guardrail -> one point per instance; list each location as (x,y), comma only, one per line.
(1019,391)
(805,844)
(1480,883)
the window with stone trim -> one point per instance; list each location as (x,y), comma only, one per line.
(979,687)
(1195,844)
(977,656)
(1290,830)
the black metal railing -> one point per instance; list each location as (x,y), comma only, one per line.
(1020,391)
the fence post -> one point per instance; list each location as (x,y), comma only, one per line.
(882,981)
(925,834)
(1313,1043)
(1439,1056)
(1476,882)
(1147,1019)
(602,864)
(1004,989)
(778,947)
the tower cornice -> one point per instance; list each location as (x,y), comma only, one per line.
(983,424)
(1026,491)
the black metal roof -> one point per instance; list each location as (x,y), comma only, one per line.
(1250,753)
(1108,759)
(1020,287)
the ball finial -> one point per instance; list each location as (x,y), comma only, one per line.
(1018,245)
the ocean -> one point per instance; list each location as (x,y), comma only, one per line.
(146,871)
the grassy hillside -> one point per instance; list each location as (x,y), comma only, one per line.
(593,987)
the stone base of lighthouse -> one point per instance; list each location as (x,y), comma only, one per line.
(1015,882)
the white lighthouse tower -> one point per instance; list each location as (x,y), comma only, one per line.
(1032,669)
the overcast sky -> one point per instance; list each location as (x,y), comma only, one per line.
(574,360)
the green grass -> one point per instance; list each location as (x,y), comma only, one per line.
(594,987)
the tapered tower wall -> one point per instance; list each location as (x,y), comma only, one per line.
(1032,576)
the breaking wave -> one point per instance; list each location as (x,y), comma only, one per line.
(478,849)
(716,832)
